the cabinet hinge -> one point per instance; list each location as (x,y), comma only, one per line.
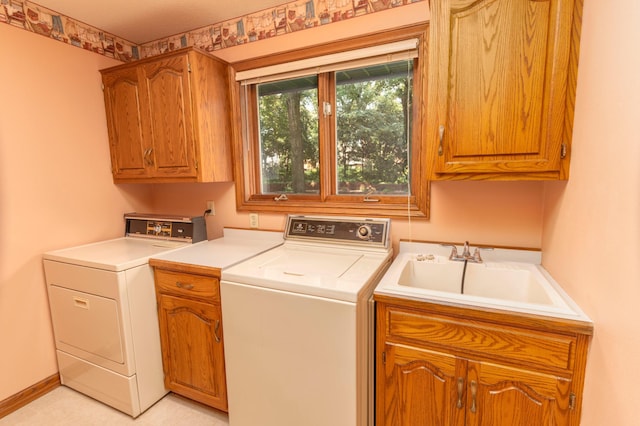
(563,150)
(384,358)
(196,161)
(572,401)
(188,66)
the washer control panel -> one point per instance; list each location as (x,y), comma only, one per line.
(361,231)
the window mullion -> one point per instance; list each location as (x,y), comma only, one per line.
(326,133)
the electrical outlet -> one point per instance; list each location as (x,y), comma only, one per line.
(212,207)
(253,220)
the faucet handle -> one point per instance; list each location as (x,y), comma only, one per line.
(454,251)
(476,253)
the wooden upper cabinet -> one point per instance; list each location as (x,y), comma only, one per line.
(168,119)
(122,95)
(502,87)
(171,124)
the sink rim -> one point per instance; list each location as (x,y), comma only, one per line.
(563,306)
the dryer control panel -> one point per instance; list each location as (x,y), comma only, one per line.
(166,227)
(359,231)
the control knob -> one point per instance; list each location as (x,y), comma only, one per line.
(364,232)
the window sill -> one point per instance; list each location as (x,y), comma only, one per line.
(345,209)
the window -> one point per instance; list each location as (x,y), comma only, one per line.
(338,130)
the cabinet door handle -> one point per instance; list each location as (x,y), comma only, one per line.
(440,138)
(147,156)
(185,286)
(216,327)
(460,391)
(474,393)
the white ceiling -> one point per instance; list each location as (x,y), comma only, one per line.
(141,21)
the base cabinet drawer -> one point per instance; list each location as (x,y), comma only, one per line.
(483,339)
(188,285)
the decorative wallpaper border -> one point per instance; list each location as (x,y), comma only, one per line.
(40,20)
(287,18)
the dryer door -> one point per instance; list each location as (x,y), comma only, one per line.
(88,323)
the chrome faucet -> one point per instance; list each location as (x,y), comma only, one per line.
(466,253)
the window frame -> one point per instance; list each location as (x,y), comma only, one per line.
(246,151)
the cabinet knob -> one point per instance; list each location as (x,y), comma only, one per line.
(474,394)
(215,331)
(440,138)
(147,156)
(460,391)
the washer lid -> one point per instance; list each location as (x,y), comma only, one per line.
(331,272)
(114,255)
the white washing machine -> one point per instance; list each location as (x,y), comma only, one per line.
(298,325)
(104,314)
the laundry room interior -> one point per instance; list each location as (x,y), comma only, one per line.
(562,223)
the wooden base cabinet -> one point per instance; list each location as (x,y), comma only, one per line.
(190,321)
(442,365)
(168,118)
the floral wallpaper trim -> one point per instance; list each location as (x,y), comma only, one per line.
(40,20)
(287,18)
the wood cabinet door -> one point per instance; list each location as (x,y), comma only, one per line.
(192,349)
(124,100)
(502,396)
(417,387)
(170,124)
(498,85)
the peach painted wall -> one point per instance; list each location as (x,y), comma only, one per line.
(494,213)
(591,237)
(500,213)
(55,181)
(55,187)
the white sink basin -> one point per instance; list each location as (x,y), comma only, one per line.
(515,284)
(439,274)
(505,281)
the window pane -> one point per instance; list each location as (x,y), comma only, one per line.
(373,107)
(289,149)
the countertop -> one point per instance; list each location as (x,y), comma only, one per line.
(233,247)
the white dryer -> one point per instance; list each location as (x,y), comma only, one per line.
(104,314)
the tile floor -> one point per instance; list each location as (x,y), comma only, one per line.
(65,407)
